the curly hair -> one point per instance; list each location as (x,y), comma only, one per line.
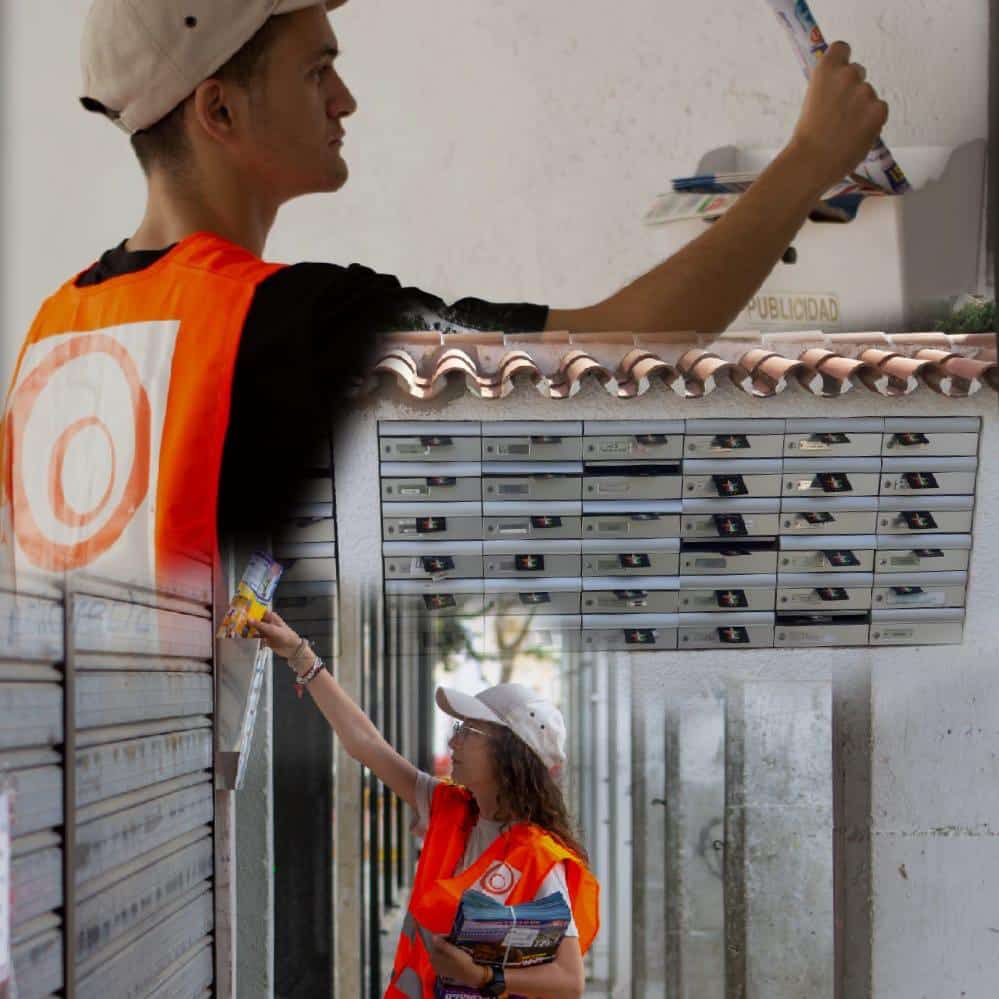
(527,792)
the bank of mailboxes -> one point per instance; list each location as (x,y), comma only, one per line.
(696,534)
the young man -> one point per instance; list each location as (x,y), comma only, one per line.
(153,385)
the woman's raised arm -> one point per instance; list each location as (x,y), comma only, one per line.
(353,727)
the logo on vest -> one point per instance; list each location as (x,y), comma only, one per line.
(499,879)
(82,430)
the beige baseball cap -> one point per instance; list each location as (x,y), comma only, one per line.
(141,58)
(528,715)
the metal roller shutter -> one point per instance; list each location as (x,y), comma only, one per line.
(31,704)
(134,856)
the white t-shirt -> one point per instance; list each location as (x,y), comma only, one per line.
(480,839)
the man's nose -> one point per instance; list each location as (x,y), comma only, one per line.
(342,103)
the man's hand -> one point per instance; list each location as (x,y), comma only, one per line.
(841,116)
(453,962)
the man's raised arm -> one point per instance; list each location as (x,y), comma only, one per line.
(705,285)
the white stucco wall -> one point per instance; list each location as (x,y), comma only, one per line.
(500,149)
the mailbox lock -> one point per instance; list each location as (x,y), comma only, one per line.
(790,256)
(879,598)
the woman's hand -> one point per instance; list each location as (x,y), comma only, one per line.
(277,635)
(455,963)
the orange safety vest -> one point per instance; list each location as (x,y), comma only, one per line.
(116,418)
(511,871)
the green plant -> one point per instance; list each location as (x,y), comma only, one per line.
(973,314)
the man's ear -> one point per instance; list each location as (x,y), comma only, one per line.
(211,106)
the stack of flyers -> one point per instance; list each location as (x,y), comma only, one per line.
(709,196)
(880,167)
(508,936)
(253,597)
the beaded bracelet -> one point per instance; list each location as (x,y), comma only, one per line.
(306,678)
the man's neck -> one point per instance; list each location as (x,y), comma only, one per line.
(176,208)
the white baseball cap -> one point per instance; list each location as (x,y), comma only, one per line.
(528,715)
(141,58)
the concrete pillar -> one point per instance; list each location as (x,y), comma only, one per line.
(778,841)
(694,955)
(934,833)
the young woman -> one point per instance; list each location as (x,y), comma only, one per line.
(501,828)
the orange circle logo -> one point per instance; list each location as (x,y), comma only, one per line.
(46,552)
(498,880)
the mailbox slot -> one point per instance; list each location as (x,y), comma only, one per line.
(831,478)
(818,630)
(729,631)
(522,481)
(631,519)
(944,626)
(846,438)
(931,436)
(629,632)
(532,520)
(643,481)
(928,476)
(546,440)
(642,557)
(824,592)
(728,557)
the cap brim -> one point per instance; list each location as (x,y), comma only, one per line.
(464,706)
(288,6)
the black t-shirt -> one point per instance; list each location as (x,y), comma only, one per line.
(309,330)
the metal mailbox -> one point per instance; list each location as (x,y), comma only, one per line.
(749,629)
(829,478)
(308,570)
(836,515)
(944,626)
(633,440)
(641,557)
(557,559)
(815,629)
(650,595)
(931,436)
(459,482)
(432,560)
(845,553)
(731,478)
(727,594)
(429,441)
(730,439)
(631,518)
(922,476)
(511,597)
(629,632)
(551,480)
(432,522)
(639,481)
(532,520)
(824,592)
(306,530)
(435,598)
(923,553)
(920,589)
(845,438)
(545,440)
(736,557)
(718,518)
(909,514)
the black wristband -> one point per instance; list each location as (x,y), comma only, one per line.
(496,985)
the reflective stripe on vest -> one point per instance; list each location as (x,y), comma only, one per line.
(512,869)
(116,418)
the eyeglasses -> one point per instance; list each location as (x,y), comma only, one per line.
(461,729)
